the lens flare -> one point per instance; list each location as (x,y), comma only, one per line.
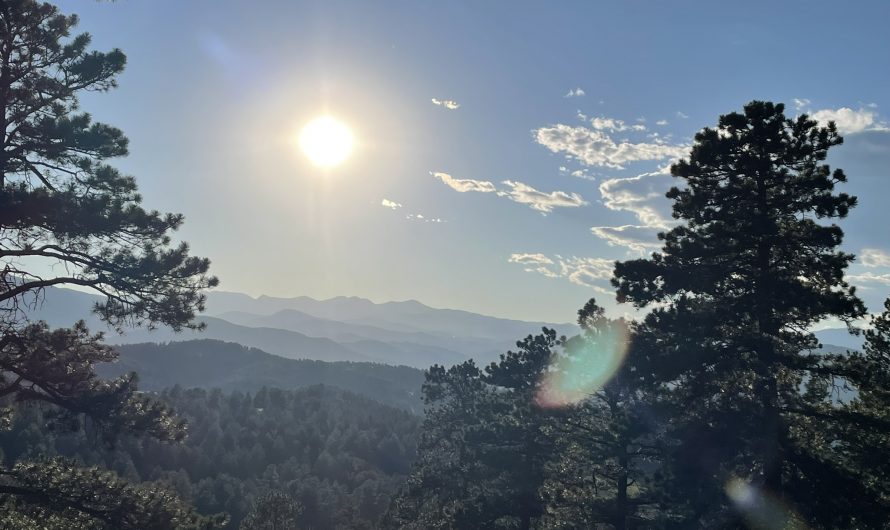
(587,364)
(760,510)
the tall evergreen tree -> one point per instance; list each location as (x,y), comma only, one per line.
(67,217)
(610,439)
(735,288)
(484,446)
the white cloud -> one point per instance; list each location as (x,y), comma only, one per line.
(682,115)
(582,174)
(850,121)
(611,124)
(642,195)
(634,237)
(449,104)
(589,272)
(661,122)
(530,259)
(873,257)
(575,92)
(541,201)
(423,218)
(594,147)
(386,203)
(869,277)
(465,185)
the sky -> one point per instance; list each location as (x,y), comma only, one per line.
(507,152)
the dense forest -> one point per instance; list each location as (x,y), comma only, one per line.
(715,408)
(339,456)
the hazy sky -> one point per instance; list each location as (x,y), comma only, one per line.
(516,202)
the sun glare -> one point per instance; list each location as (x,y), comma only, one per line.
(326,141)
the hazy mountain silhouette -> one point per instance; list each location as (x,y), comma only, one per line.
(840,338)
(348,332)
(281,342)
(342,329)
(407,317)
(229,366)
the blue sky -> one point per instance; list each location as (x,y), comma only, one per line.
(527,191)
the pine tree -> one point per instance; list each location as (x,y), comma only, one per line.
(864,443)
(484,444)
(752,265)
(273,510)
(67,217)
(609,439)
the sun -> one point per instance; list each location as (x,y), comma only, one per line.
(326,141)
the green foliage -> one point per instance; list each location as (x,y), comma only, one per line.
(273,511)
(90,498)
(609,446)
(68,217)
(341,457)
(737,284)
(483,448)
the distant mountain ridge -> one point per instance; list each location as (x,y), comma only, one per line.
(409,316)
(396,333)
(229,366)
(344,328)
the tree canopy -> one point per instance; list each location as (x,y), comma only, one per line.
(67,217)
(752,265)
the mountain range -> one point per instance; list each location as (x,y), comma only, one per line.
(338,329)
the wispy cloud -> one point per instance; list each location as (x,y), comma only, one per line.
(449,104)
(543,202)
(634,237)
(662,122)
(575,92)
(392,205)
(682,115)
(594,147)
(800,103)
(611,124)
(869,278)
(642,195)
(465,185)
(522,193)
(873,257)
(423,218)
(588,272)
(530,259)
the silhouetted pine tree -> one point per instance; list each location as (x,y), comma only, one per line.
(734,290)
(484,445)
(865,440)
(606,468)
(69,218)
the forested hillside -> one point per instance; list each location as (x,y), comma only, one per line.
(229,366)
(340,456)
